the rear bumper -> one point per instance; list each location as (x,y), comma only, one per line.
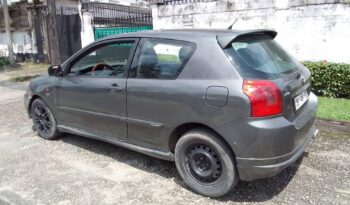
(254,168)
(265,146)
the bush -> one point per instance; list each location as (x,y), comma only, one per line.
(3,61)
(330,79)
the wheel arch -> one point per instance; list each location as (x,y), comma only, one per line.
(180,130)
(34,97)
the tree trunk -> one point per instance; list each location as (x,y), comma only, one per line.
(8,31)
(52,33)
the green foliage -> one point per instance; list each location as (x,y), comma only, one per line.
(3,61)
(167,58)
(330,79)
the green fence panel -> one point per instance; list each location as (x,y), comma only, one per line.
(107,31)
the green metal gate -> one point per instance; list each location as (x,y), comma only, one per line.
(100,32)
(109,19)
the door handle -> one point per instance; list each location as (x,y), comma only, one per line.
(116,88)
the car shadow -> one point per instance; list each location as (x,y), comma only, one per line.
(137,160)
(263,189)
(255,191)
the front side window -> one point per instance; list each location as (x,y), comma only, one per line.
(161,59)
(259,56)
(105,61)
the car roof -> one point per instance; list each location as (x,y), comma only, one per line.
(223,36)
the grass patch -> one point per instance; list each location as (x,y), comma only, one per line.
(24,72)
(333,109)
(23,78)
(167,58)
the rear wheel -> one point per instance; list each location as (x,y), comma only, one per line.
(205,163)
(43,120)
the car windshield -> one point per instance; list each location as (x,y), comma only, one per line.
(259,56)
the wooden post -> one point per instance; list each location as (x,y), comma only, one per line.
(54,51)
(8,31)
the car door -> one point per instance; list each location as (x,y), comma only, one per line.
(92,95)
(154,93)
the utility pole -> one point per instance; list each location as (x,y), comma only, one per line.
(8,31)
(52,33)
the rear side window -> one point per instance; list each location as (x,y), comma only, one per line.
(259,56)
(161,58)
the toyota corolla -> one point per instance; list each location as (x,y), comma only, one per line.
(224,105)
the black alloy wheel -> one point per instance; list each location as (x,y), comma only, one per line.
(43,120)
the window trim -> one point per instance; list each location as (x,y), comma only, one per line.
(140,47)
(98,44)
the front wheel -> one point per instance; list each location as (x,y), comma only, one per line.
(43,120)
(205,163)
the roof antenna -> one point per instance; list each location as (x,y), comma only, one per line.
(230,27)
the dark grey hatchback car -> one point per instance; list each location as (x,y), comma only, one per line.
(224,105)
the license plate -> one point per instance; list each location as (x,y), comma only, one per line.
(300,99)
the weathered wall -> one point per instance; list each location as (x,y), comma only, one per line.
(22,43)
(308,29)
(87,30)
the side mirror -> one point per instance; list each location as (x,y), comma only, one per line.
(55,70)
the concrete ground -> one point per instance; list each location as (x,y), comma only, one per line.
(76,170)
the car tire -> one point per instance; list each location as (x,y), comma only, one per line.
(194,151)
(43,120)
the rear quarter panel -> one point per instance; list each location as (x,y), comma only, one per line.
(157,107)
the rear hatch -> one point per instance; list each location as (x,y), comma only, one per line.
(257,56)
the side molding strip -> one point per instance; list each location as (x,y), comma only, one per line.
(144,122)
(93,113)
(129,120)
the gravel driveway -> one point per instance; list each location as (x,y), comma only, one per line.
(76,170)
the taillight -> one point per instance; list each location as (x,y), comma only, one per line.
(265,97)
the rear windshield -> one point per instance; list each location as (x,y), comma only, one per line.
(259,56)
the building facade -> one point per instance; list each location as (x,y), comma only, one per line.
(310,30)
(77,21)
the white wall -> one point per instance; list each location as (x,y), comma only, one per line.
(22,42)
(120,2)
(87,31)
(67,3)
(317,31)
(9,2)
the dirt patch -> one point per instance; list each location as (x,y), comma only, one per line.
(333,126)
